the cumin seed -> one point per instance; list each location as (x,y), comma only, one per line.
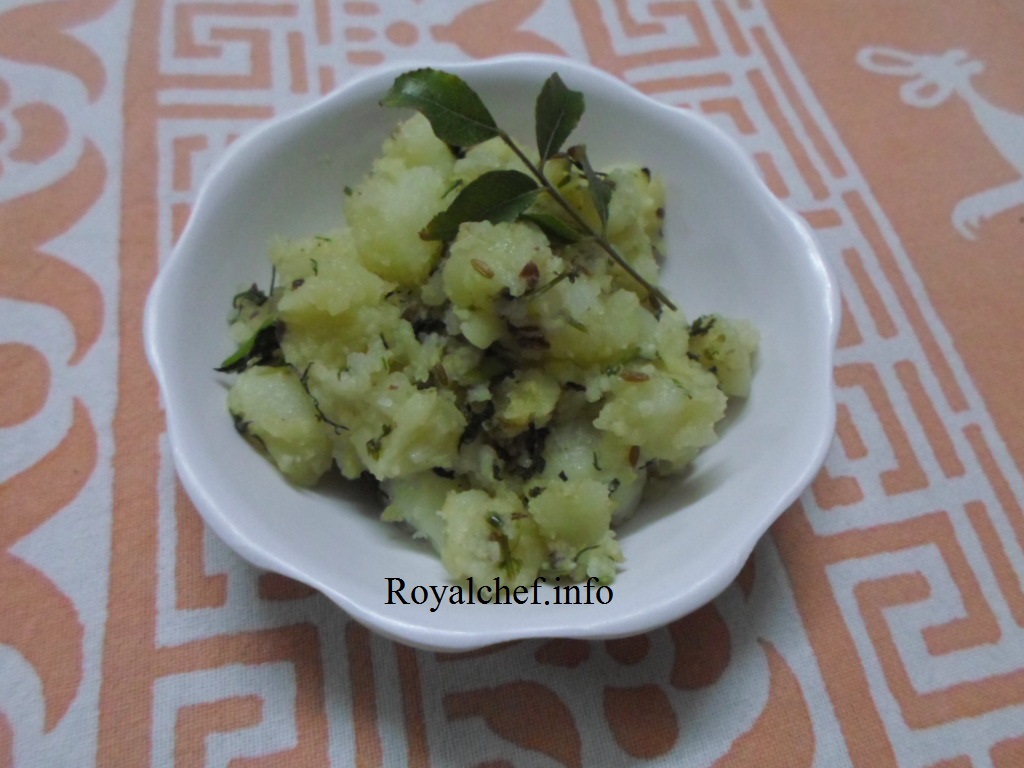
(482,268)
(634,376)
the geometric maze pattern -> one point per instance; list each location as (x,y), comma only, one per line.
(881,621)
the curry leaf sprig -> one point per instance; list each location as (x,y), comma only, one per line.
(459,117)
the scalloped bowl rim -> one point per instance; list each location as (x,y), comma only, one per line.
(220,477)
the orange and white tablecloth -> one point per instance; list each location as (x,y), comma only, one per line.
(881,621)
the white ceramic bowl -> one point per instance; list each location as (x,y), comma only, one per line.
(732,248)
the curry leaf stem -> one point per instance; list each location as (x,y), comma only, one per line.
(600,239)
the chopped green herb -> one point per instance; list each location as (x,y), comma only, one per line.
(702,325)
(262,348)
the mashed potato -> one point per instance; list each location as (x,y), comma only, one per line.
(511,392)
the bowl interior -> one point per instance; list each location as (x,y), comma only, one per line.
(731,248)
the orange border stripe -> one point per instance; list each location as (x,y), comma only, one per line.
(887,260)
(794,146)
(934,429)
(884,323)
(821,144)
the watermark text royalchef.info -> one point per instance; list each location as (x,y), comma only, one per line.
(493,592)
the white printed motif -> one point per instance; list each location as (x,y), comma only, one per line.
(933,79)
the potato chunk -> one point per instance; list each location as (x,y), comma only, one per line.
(386,213)
(425,434)
(725,347)
(489,535)
(662,415)
(489,259)
(575,512)
(271,407)
(414,144)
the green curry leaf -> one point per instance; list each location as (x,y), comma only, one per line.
(558,230)
(600,190)
(556,115)
(455,111)
(493,196)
